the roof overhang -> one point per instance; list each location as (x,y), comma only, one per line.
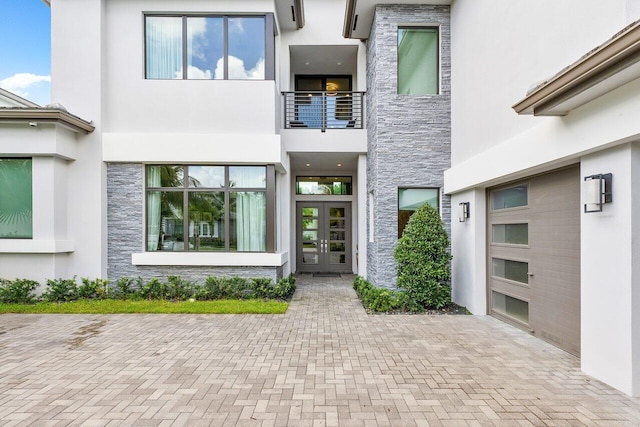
(600,71)
(45,115)
(358,15)
(290,14)
(15,100)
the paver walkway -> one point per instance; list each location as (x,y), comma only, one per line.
(325,362)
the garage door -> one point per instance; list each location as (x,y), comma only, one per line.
(534,256)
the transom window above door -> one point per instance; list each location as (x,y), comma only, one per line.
(324,185)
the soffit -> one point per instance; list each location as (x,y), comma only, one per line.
(605,68)
(314,59)
(359,15)
(290,14)
(327,162)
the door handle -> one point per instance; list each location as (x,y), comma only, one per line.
(529,274)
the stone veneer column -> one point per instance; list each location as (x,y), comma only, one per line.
(409,136)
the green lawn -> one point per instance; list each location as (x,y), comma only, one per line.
(145,306)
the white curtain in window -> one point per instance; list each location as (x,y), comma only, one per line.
(251,222)
(164,47)
(153,209)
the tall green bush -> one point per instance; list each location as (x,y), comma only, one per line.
(422,259)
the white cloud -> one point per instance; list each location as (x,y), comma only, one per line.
(197,73)
(196,27)
(236,26)
(194,73)
(21,82)
(237,70)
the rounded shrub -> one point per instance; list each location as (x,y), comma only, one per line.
(422,259)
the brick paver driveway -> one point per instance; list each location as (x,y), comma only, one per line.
(326,362)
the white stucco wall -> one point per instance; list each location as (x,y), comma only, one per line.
(283,217)
(500,48)
(136,104)
(361,221)
(77,69)
(469,251)
(610,283)
(52,149)
(46,139)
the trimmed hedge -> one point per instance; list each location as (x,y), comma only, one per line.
(175,288)
(422,257)
(19,291)
(377,299)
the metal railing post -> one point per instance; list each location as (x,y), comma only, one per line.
(324,111)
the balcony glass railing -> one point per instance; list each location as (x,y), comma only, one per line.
(323,110)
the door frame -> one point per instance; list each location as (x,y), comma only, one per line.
(324,219)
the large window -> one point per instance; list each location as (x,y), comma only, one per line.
(209,47)
(210,208)
(16,199)
(410,199)
(418,53)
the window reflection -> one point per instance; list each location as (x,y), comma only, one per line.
(209,212)
(410,199)
(16,199)
(205,47)
(206,58)
(323,185)
(246,48)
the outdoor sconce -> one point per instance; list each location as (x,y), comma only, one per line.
(596,191)
(463,211)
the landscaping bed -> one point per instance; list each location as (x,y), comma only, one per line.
(175,295)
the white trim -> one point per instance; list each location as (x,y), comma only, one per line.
(226,259)
(28,246)
(192,148)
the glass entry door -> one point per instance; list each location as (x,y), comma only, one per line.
(323,237)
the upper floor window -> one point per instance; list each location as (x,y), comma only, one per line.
(418,61)
(209,47)
(16,199)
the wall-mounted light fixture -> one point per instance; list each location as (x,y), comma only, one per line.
(463,211)
(596,191)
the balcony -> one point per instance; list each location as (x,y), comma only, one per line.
(323,110)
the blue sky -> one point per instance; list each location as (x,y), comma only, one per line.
(25,49)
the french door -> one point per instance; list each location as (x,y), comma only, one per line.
(323,240)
